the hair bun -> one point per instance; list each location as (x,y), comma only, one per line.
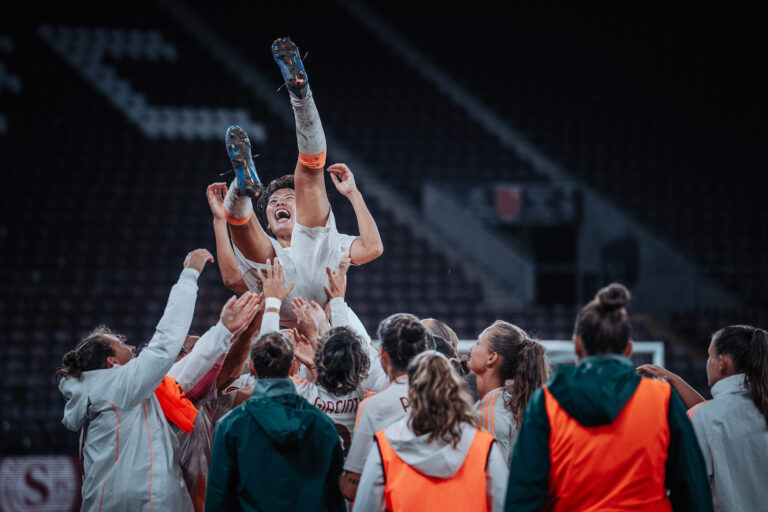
(612,297)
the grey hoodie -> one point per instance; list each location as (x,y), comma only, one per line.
(432,458)
(128,447)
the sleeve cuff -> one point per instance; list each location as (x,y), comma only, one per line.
(272,302)
(189,273)
(223,331)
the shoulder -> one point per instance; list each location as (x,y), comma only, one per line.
(302,384)
(701,410)
(232,419)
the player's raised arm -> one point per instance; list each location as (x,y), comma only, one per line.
(230,274)
(368,246)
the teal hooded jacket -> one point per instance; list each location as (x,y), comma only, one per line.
(275,451)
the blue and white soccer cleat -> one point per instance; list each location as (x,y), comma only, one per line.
(286,54)
(239,150)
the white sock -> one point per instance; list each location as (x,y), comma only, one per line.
(309,129)
(237,207)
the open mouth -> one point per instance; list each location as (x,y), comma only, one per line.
(282,215)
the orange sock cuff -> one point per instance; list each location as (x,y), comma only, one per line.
(313,161)
(235,221)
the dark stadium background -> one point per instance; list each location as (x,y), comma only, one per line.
(659,110)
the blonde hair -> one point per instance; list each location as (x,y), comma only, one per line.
(437,400)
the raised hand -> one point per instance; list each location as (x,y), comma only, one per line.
(237,314)
(343,179)
(272,281)
(311,318)
(346,261)
(337,280)
(215,194)
(197,259)
(303,349)
(655,371)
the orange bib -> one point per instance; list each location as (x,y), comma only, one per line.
(178,409)
(619,466)
(407,489)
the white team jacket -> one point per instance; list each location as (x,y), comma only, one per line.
(128,448)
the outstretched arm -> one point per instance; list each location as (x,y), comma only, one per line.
(689,395)
(137,380)
(368,246)
(230,274)
(233,364)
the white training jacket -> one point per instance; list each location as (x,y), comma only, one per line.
(128,448)
(734,442)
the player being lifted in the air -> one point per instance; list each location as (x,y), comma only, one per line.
(299,227)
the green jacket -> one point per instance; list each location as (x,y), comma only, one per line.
(593,394)
(276,451)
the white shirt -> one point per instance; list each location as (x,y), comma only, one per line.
(374,414)
(304,262)
(342,409)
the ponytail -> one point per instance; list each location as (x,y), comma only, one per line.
(91,353)
(403,338)
(756,371)
(524,367)
(748,348)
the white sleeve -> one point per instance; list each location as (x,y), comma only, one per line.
(370,491)
(362,438)
(343,316)
(699,427)
(270,322)
(193,367)
(377,379)
(137,380)
(339,317)
(496,476)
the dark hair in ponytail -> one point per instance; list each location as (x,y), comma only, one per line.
(91,353)
(603,324)
(402,337)
(272,356)
(748,348)
(341,362)
(524,367)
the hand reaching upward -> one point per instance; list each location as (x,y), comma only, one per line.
(343,179)
(197,259)
(272,279)
(215,194)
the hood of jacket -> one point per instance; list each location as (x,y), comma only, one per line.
(76,409)
(280,412)
(434,458)
(595,391)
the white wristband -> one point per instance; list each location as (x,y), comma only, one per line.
(272,302)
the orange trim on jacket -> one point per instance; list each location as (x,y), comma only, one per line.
(407,489)
(618,466)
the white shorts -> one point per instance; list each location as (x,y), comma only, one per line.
(304,262)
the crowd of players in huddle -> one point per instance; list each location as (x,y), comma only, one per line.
(287,404)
